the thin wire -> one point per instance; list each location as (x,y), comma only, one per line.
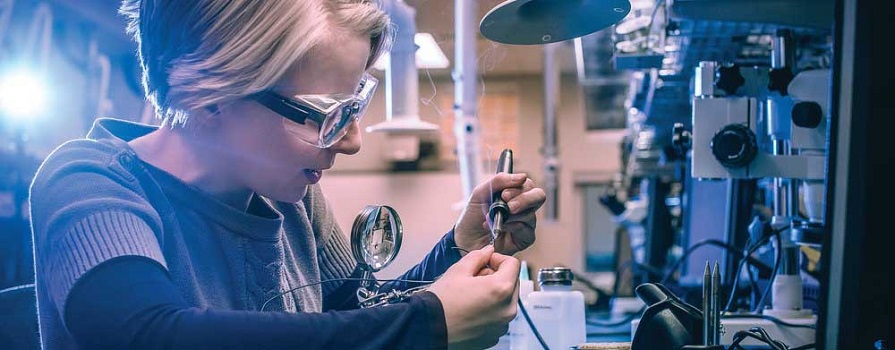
(428,101)
(345,279)
(532,325)
(461,249)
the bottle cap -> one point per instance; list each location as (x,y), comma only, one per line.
(555,275)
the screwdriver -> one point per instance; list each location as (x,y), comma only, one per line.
(499,210)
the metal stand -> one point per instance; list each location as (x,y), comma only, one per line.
(740,193)
(660,235)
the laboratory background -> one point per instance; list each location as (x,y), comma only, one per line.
(717,172)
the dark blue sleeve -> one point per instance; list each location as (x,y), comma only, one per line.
(442,256)
(130,302)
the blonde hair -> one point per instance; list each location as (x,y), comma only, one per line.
(199,53)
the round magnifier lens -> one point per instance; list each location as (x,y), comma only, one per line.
(376,237)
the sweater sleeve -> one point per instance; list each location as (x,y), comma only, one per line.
(141,308)
(439,259)
(87,208)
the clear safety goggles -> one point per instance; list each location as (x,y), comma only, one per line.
(321,120)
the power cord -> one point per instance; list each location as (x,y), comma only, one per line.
(767,289)
(532,325)
(673,269)
(752,249)
(761,335)
(712,242)
(756,333)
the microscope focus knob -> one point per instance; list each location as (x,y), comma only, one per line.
(779,79)
(730,79)
(734,146)
(680,137)
(807,114)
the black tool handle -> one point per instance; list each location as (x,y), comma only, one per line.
(504,165)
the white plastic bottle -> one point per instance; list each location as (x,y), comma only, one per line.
(556,310)
(516,336)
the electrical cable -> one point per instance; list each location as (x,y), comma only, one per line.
(767,289)
(761,242)
(670,273)
(532,325)
(713,242)
(345,279)
(759,334)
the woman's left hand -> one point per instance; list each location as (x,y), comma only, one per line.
(473,229)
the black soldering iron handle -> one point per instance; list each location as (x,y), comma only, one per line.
(499,209)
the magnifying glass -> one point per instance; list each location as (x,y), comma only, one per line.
(376,238)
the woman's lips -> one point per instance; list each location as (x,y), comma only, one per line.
(313,175)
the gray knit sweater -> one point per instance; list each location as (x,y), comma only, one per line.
(93,200)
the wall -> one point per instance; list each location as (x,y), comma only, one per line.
(428,202)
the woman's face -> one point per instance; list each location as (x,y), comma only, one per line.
(272,161)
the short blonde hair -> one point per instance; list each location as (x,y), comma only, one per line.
(199,53)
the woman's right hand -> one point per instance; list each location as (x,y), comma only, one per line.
(479,296)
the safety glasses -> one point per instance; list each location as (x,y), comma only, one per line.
(320,120)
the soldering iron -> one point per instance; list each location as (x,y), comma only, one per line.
(499,210)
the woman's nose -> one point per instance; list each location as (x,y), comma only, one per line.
(350,143)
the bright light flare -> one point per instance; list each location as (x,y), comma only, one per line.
(23,95)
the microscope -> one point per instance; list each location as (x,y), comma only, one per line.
(768,123)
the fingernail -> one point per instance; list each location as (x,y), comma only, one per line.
(518,176)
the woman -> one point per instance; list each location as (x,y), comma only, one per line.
(174,237)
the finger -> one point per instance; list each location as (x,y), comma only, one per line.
(486,271)
(475,260)
(505,266)
(533,198)
(482,193)
(512,192)
(528,184)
